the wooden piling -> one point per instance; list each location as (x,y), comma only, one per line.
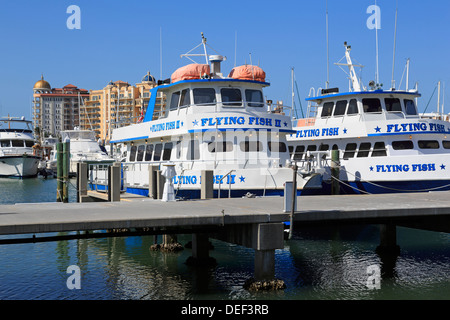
(59,172)
(335,165)
(207,185)
(66,171)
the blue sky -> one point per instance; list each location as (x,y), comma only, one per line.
(120,40)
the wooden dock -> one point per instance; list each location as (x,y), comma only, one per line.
(138,212)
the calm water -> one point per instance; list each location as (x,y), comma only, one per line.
(319,263)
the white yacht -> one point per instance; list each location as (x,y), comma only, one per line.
(83,148)
(383,142)
(17,156)
(203,120)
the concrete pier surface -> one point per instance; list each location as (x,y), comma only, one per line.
(145,212)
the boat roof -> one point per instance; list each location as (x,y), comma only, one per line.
(376,92)
(167,86)
(153,92)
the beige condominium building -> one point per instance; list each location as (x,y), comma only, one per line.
(116,105)
(55,109)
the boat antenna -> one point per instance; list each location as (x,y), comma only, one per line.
(204,54)
(328,52)
(376,46)
(351,68)
(395,42)
(160,52)
(235,47)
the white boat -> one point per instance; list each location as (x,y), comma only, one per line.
(203,120)
(17,158)
(384,144)
(84,148)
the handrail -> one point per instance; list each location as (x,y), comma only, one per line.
(229,185)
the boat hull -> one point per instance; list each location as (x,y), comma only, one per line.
(20,166)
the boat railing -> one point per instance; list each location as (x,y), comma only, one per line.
(229,184)
(98,177)
(279,108)
(314,162)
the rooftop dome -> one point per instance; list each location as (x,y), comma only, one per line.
(148,78)
(42,84)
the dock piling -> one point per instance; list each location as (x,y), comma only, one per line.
(335,165)
(207,184)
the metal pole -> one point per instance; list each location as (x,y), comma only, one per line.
(59,171)
(294,197)
(335,172)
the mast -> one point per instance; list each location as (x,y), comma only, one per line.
(395,42)
(328,52)
(351,67)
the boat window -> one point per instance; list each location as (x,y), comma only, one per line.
(178,149)
(157,154)
(185,98)
(446,144)
(364,149)
(277,146)
(231,96)
(379,150)
(204,96)
(29,143)
(393,105)
(371,105)
(148,152)
(193,150)
(340,108)
(133,153)
(327,109)
(220,146)
(17,143)
(174,100)
(410,107)
(324,147)
(299,152)
(251,146)
(312,148)
(350,150)
(140,152)
(402,145)
(428,144)
(352,107)
(5,143)
(167,150)
(254,98)
(291,150)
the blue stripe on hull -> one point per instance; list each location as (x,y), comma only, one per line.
(380,187)
(195,194)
